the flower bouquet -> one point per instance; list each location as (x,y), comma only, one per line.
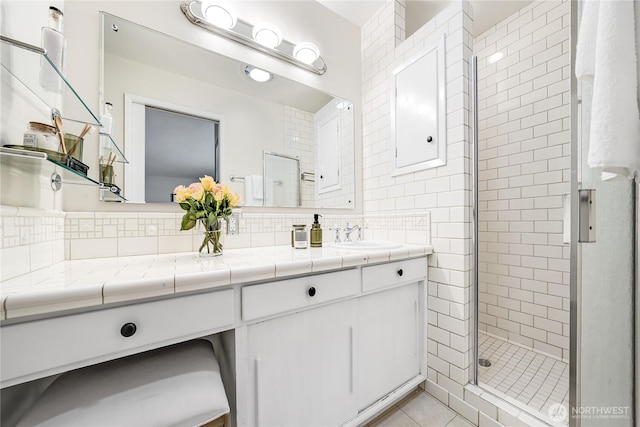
(207,202)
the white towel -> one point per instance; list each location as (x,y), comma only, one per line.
(606,59)
(249,191)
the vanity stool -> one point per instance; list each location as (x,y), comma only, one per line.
(179,385)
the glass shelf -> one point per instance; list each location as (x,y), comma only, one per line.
(121,158)
(39,163)
(24,61)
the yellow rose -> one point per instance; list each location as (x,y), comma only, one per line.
(182,193)
(207,183)
(234,199)
(226,190)
(197,192)
(218,194)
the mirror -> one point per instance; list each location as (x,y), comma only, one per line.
(256,131)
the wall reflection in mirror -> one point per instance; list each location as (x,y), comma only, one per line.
(285,144)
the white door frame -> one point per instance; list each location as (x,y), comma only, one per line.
(134,139)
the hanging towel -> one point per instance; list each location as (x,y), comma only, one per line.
(250,190)
(606,59)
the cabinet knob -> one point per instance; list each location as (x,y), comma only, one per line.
(128,329)
(311,291)
(400,272)
(429,139)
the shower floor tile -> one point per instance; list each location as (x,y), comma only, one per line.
(532,379)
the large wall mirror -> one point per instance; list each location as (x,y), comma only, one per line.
(181,111)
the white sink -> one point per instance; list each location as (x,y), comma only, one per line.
(367,244)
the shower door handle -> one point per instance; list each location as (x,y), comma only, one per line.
(587,216)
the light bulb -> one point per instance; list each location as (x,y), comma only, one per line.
(219,13)
(306,52)
(267,35)
(257,74)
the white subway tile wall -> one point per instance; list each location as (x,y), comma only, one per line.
(440,198)
(524,170)
(298,142)
(30,239)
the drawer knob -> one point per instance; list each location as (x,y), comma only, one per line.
(311,291)
(400,272)
(128,329)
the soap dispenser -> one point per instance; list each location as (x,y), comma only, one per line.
(316,232)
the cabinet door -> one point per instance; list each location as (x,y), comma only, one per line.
(301,368)
(418,111)
(388,341)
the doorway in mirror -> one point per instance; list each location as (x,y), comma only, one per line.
(170,146)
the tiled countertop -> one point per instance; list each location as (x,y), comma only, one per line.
(84,283)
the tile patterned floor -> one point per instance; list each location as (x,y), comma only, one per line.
(522,375)
(420,409)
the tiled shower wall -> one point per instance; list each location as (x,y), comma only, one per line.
(444,191)
(298,142)
(524,170)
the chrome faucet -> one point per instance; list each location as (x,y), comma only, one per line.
(336,239)
(348,230)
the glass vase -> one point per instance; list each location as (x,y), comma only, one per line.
(212,240)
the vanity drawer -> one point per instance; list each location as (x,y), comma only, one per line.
(285,295)
(34,349)
(393,273)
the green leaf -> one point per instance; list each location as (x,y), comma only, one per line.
(200,214)
(187,223)
(212,218)
(184,205)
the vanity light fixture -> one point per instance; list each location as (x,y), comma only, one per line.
(257,74)
(268,35)
(265,38)
(219,13)
(306,52)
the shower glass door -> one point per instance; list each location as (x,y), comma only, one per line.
(606,267)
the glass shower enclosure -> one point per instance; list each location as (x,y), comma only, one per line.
(553,307)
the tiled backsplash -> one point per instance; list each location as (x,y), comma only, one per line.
(32,239)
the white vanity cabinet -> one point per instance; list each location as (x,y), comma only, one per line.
(301,368)
(325,365)
(388,341)
(297,369)
(389,327)
(317,349)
